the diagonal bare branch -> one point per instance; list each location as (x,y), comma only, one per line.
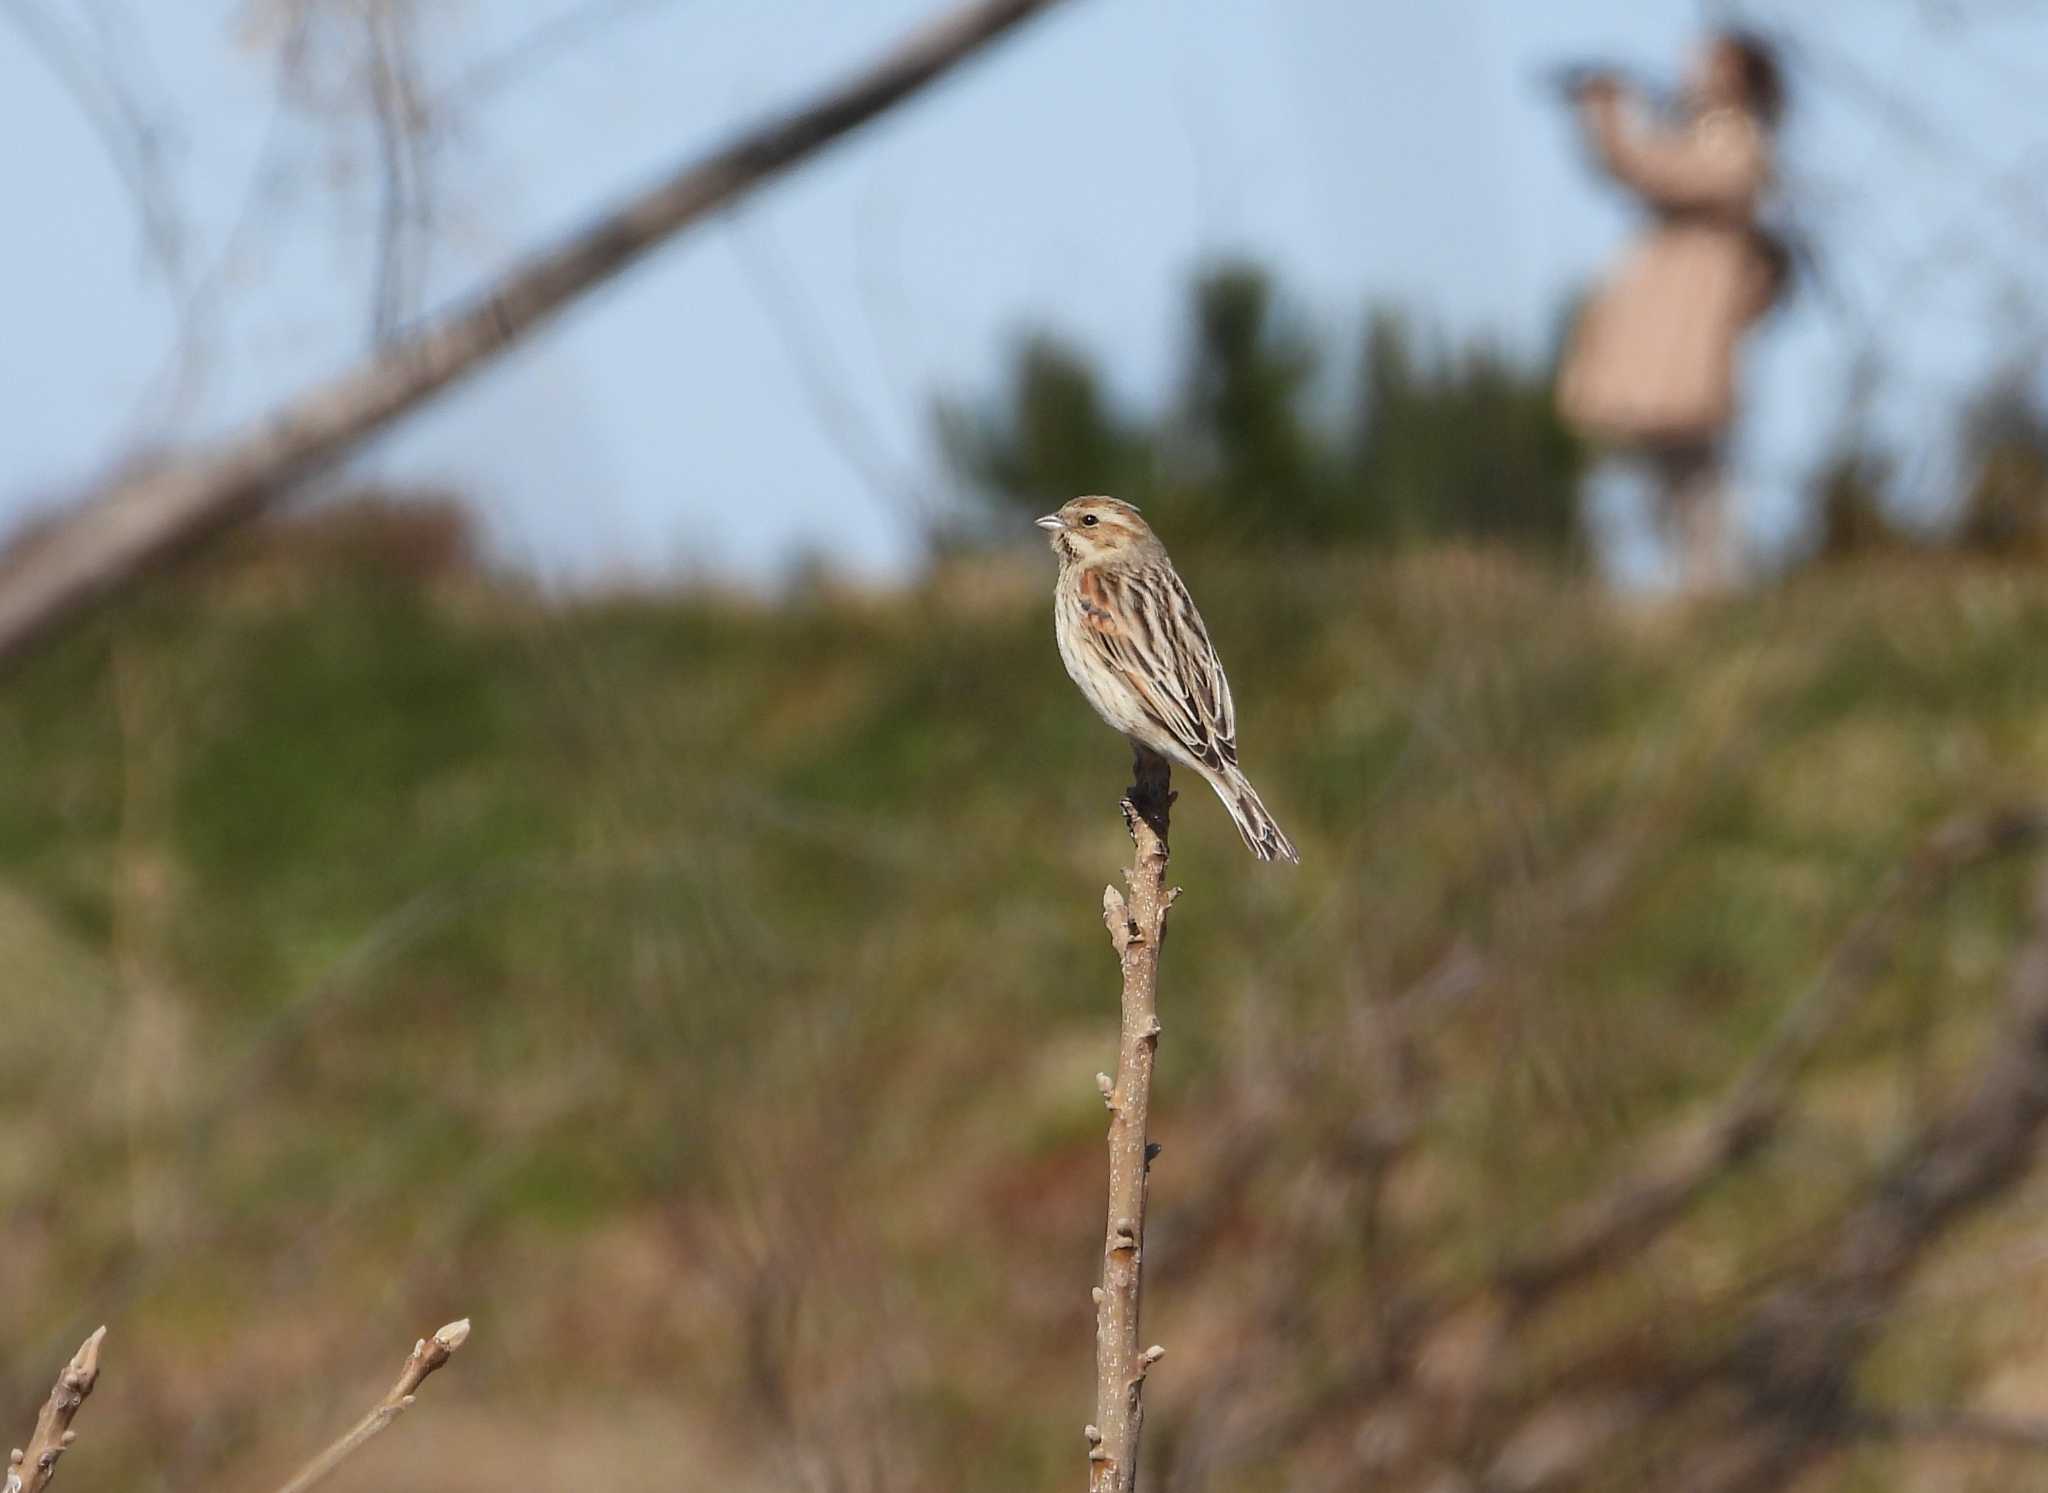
(1643,1200)
(106,541)
(1789,1379)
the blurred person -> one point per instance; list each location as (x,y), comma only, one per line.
(1649,376)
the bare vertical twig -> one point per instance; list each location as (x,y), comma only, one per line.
(30,1471)
(399,117)
(153,1042)
(1137,929)
(428,1354)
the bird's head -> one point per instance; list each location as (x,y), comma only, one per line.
(1088,531)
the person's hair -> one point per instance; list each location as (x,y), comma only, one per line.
(1763,79)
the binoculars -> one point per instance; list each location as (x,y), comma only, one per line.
(1570,79)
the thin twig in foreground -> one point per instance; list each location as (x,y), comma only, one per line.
(428,1354)
(30,1471)
(1137,928)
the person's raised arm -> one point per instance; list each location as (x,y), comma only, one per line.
(1719,165)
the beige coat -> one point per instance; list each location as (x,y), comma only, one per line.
(1652,360)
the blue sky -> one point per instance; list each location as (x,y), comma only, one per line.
(760,389)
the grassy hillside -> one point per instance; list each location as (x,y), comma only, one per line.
(705,997)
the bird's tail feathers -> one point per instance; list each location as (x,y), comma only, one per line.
(1262,835)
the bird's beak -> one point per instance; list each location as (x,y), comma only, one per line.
(1052,521)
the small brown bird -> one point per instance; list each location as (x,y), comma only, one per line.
(1132,640)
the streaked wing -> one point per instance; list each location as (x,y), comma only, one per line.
(1148,632)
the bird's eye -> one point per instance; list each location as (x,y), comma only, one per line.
(1089,520)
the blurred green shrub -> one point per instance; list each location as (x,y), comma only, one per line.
(1428,441)
(1999,508)
(2005,508)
